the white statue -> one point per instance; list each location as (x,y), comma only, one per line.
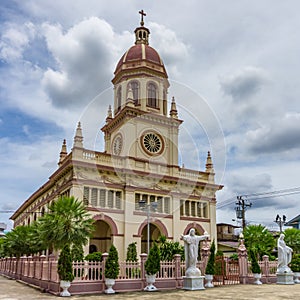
(284,255)
(191,242)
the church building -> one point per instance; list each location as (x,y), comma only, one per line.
(135,189)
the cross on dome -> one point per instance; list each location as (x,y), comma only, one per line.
(143,14)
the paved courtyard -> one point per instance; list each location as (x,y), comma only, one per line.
(13,290)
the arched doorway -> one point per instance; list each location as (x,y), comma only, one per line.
(153,236)
(101,237)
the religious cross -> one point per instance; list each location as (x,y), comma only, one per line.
(142,16)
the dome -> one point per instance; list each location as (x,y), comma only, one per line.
(138,53)
(140,58)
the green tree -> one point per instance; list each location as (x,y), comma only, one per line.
(67,222)
(292,239)
(22,240)
(259,239)
(112,267)
(131,254)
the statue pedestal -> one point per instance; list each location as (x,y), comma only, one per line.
(285,278)
(193,283)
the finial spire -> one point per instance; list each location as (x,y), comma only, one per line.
(78,137)
(63,152)
(210,168)
(130,100)
(142,13)
(109,115)
(173,111)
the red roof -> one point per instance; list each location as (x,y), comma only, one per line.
(140,52)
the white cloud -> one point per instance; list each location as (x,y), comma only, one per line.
(14,40)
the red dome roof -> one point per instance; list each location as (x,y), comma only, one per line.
(140,52)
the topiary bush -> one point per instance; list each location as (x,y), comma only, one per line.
(152,264)
(112,267)
(255,268)
(65,268)
(210,267)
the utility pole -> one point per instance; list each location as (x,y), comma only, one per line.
(241,207)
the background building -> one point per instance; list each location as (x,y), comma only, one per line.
(136,180)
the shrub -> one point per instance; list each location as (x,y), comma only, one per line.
(65,269)
(210,267)
(255,268)
(295,263)
(112,267)
(95,256)
(131,252)
(152,264)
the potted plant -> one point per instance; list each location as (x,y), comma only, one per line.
(112,269)
(65,270)
(210,267)
(152,266)
(255,268)
(295,267)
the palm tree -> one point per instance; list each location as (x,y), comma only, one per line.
(259,239)
(292,239)
(67,222)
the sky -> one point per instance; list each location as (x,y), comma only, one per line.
(234,70)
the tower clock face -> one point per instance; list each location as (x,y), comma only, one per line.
(117,145)
(152,143)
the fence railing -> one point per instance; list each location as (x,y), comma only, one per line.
(89,277)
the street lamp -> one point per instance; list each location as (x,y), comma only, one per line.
(280,221)
(152,206)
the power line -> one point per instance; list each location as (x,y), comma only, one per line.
(263,195)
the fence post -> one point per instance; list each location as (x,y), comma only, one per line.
(205,250)
(104,258)
(266,267)
(177,262)
(143,258)
(243,262)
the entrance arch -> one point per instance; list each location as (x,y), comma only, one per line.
(101,237)
(154,235)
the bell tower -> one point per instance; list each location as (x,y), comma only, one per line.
(139,125)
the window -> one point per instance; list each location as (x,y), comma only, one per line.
(137,201)
(118,200)
(102,198)
(182,207)
(159,204)
(167,205)
(135,91)
(94,197)
(119,98)
(86,195)
(151,95)
(110,199)
(187,208)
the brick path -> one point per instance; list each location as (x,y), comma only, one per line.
(13,290)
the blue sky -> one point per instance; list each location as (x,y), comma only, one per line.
(234,71)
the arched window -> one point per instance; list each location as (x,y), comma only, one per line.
(119,98)
(135,91)
(151,101)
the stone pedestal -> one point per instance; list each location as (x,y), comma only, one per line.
(193,283)
(285,278)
